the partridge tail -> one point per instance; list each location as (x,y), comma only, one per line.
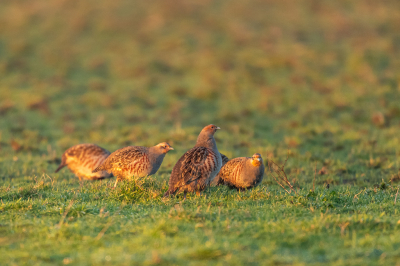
(62,164)
(98,168)
(59,167)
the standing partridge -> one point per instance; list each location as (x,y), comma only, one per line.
(135,161)
(82,159)
(243,172)
(197,168)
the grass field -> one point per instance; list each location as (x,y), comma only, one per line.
(317,81)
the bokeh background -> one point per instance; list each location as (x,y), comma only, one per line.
(320,78)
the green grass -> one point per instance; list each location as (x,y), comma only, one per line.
(317,81)
(54,221)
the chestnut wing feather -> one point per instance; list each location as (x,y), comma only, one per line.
(189,168)
(194,164)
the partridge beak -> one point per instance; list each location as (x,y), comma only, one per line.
(218,128)
(171,149)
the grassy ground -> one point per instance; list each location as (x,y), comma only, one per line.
(315,80)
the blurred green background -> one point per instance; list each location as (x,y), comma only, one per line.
(318,77)
(316,80)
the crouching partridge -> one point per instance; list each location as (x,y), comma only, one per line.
(243,172)
(135,161)
(82,159)
(197,168)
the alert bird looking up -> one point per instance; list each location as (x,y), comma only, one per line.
(135,161)
(243,172)
(81,159)
(197,168)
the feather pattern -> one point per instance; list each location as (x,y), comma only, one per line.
(82,159)
(127,162)
(197,168)
(135,161)
(242,172)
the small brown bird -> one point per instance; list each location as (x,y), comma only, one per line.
(197,168)
(243,172)
(135,161)
(82,159)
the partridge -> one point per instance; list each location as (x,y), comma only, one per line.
(197,168)
(135,161)
(82,159)
(243,172)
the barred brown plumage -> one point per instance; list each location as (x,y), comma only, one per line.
(197,168)
(135,161)
(82,159)
(242,172)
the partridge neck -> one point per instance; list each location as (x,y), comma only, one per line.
(207,141)
(155,153)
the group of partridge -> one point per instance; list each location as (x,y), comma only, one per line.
(198,168)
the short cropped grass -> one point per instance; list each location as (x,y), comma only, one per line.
(313,82)
(48,221)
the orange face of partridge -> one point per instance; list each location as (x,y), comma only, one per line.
(256,160)
(211,129)
(164,147)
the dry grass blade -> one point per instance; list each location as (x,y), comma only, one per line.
(279,182)
(103,231)
(278,173)
(395,199)
(315,174)
(110,222)
(356,195)
(66,212)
